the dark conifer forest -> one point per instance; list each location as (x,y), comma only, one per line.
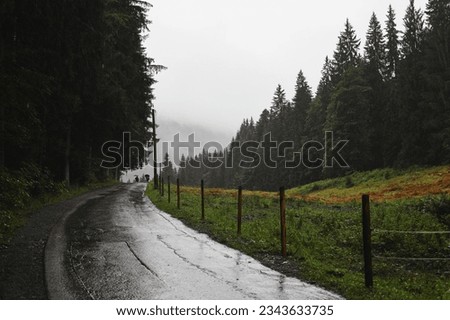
(388,95)
(73,75)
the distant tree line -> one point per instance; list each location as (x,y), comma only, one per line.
(389,99)
(73,75)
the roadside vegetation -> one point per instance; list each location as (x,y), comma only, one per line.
(324,230)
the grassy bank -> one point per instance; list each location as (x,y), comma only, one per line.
(382,185)
(324,232)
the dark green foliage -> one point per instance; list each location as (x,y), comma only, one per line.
(412,113)
(414,30)
(348,117)
(392,45)
(168,170)
(18,188)
(302,101)
(347,51)
(375,46)
(279,102)
(375,70)
(74,75)
(15,191)
(436,98)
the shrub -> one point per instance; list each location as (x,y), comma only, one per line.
(13,191)
(349,182)
(39,181)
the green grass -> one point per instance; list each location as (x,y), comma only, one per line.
(325,242)
(14,218)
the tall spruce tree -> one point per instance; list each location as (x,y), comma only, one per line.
(412,112)
(375,70)
(280,112)
(392,45)
(279,102)
(346,54)
(391,135)
(375,46)
(414,30)
(302,101)
(316,117)
(315,121)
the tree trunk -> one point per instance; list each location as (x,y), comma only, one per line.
(155,149)
(67,157)
(90,160)
(2,138)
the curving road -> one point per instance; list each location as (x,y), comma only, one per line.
(118,245)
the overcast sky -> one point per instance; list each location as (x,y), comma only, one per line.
(225,58)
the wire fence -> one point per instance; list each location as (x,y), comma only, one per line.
(368,243)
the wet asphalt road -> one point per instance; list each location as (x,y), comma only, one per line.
(118,245)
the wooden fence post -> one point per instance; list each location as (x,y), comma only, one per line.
(155,149)
(202,187)
(168,189)
(178,193)
(283,221)
(367,241)
(239,213)
(160,179)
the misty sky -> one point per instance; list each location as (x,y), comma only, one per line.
(225,58)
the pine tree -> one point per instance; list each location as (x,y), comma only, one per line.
(346,54)
(317,113)
(280,112)
(392,45)
(316,118)
(302,101)
(438,37)
(182,175)
(374,72)
(414,30)
(279,102)
(411,85)
(375,46)
(262,126)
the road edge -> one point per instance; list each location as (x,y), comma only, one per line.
(56,276)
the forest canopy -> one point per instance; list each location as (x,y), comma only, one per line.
(73,75)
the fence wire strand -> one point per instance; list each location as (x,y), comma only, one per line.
(411,259)
(410,232)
